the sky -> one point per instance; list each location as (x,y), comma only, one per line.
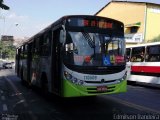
(27,17)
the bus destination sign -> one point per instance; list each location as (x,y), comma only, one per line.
(80,22)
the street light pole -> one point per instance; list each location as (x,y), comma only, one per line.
(3,28)
(9,29)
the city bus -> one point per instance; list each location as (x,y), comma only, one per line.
(75,56)
(143,62)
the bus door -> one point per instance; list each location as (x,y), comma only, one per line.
(56,63)
(29,61)
(18,62)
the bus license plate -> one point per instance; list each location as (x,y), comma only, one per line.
(101,88)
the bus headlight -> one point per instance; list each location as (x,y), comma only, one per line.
(67,75)
(123,78)
(72,79)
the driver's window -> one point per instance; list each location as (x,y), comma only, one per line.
(69,45)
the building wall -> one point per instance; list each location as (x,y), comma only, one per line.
(126,12)
(153,22)
(7,40)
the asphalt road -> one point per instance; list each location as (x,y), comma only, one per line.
(17,102)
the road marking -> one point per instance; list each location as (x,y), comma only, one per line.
(20,96)
(136,106)
(17,91)
(5,107)
(2,97)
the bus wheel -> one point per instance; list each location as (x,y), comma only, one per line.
(22,80)
(44,84)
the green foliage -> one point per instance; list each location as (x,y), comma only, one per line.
(1,45)
(7,51)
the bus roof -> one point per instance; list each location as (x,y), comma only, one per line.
(144,44)
(61,20)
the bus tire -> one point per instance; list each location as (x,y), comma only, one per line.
(44,84)
(22,80)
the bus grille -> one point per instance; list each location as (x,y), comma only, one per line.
(100,81)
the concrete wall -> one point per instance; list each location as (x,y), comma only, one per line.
(126,12)
(153,22)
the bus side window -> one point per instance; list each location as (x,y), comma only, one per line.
(45,44)
(21,53)
(25,51)
(138,54)
(33,46)
(36,47)
(153,53)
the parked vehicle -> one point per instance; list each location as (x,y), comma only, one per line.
(1,64)
(8,65)
(143,63)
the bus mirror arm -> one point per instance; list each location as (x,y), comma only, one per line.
(64,32)
(62,36)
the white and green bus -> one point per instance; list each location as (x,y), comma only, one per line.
(77,55)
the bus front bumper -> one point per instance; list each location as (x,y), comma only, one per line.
(72,90)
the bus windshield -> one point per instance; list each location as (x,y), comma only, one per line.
(93,49)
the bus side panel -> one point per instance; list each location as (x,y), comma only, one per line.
(34,69)
(29,61)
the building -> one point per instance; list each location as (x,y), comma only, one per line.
(18,41)
(141,19)
(7,40)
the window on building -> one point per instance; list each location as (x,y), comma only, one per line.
(133,29)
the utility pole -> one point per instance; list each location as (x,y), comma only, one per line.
(5,7)
(2,30)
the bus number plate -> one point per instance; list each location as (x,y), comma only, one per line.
(101,88)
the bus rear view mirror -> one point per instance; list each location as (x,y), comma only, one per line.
(69,47)
(62,36)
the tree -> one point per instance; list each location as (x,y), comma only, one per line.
(1,48)
(3,6)
(7,51)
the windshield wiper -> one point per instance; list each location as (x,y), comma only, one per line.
(90,41)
